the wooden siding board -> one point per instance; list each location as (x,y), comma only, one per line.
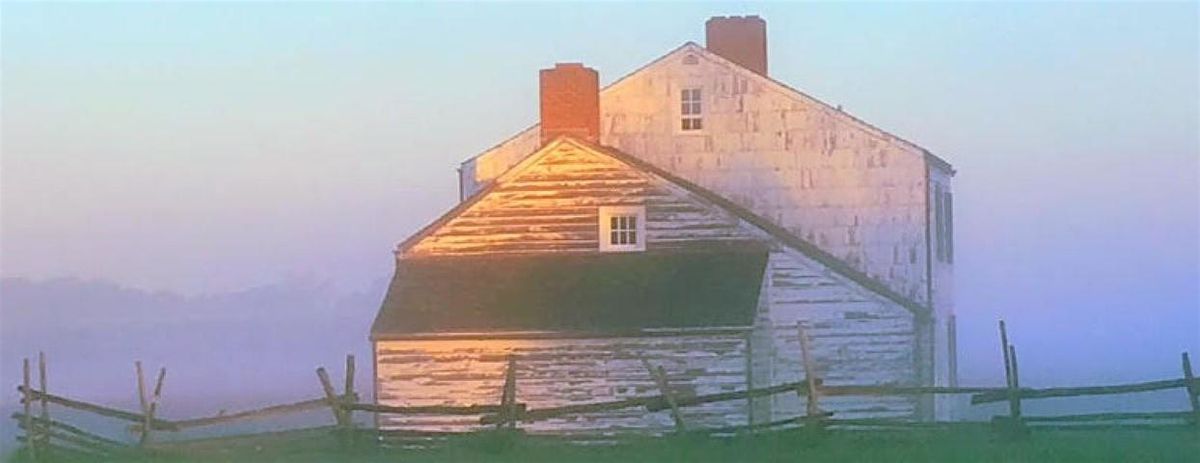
(855,339)
(561,372)
(551,206)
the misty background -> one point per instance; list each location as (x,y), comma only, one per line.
(217,188)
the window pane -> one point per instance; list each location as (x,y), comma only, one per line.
(612,237)
(685,94)
(695,108)
(612,223)
(633,221)
(696,124)
(696,94)
(686,109)
(687,124)
(633,237)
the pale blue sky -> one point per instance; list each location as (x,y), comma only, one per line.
(202,147)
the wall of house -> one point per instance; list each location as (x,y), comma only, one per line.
(942,292)
(855,338)
(851,189)
(556,372)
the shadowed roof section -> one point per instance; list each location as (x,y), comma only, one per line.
(595,292)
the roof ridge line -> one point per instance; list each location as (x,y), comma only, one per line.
(946,164)
(464,204)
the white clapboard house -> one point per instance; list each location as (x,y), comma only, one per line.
(691,213)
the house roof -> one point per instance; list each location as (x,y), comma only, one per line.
(693,47)
(698,287)
(784,236)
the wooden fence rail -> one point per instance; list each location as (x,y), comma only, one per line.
(66,428)
(1030,393)
(45,436)
(93,408)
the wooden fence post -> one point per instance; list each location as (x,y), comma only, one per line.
(508,397)
(27,397)
(348,396)
(1014,390)
(750,418)
(1006,352)
(660,378)
(812,411)
(153,407)
(1014,426)
(1193,390)
(144,401)
(349,389)
(331,397)
(45,432)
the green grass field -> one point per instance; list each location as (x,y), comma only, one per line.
(868,446)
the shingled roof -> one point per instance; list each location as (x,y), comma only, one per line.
(698,287)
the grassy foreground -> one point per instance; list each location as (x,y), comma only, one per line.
(873,446)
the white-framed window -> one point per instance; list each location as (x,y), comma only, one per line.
(691,109)
(622,228)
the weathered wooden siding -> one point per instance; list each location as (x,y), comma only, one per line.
(942,290)
(555,372)
(552,205)
(856,339)
(851,189)
(480,170)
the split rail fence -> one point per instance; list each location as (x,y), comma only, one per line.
(44,436)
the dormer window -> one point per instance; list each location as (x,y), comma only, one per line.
(691,109)
(622,228)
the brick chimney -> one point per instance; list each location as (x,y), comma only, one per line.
(570,101)
(741,39)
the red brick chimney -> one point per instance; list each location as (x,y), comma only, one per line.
(570,95)
(741,39)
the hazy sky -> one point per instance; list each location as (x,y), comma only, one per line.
(205,147)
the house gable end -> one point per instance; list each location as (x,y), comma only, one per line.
(550,202)
(484,167)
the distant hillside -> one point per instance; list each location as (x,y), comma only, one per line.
(259,342)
